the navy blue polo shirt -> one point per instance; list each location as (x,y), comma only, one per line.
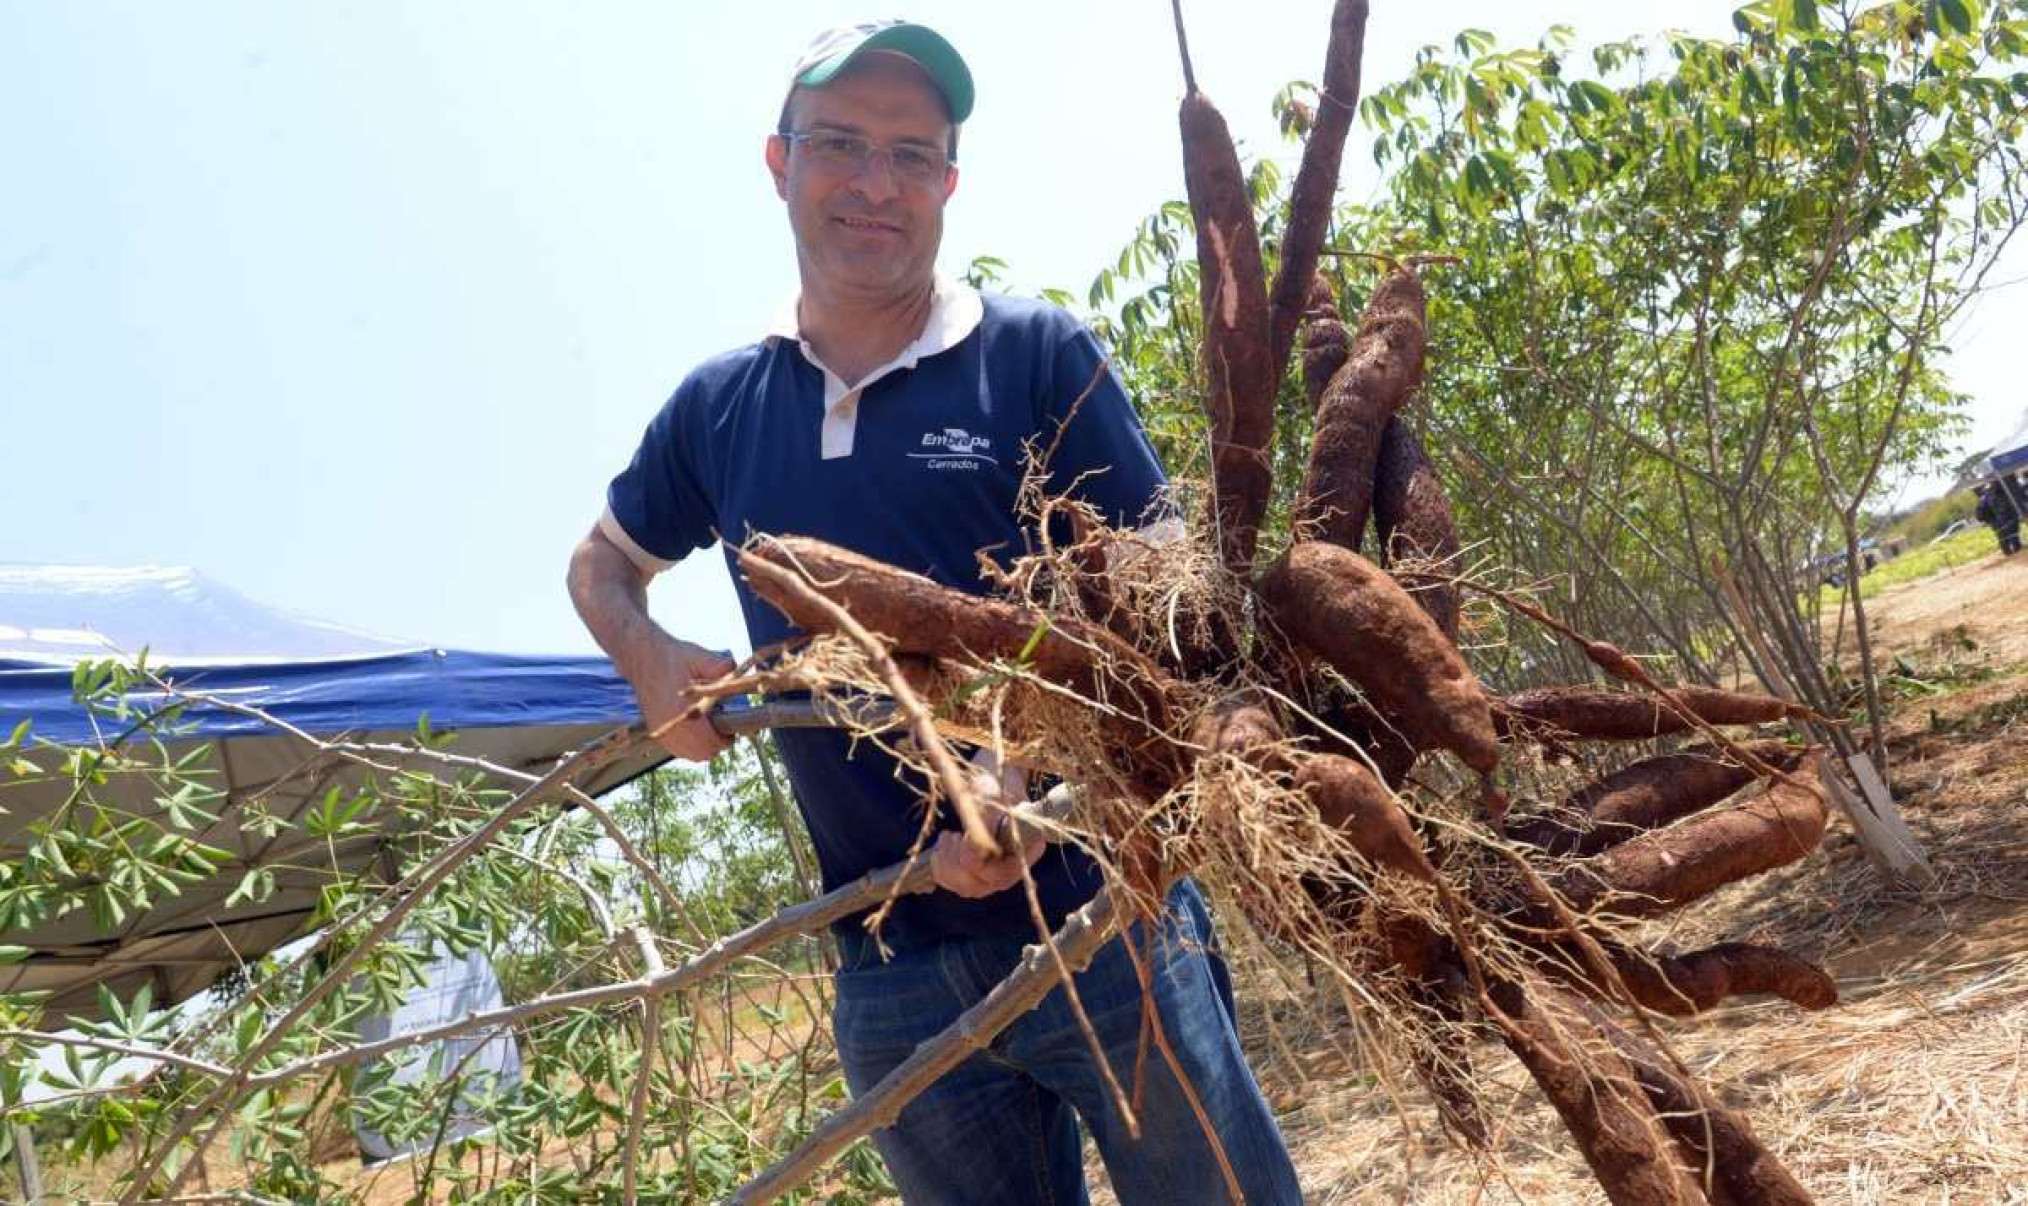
(918,466)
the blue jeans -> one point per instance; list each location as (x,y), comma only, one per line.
(1002,1127)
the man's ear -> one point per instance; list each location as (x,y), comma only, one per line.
(777,154)
(950,181)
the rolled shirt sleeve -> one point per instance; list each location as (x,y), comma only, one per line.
(656,508)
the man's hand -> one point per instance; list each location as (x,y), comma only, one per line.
(963,871)
(662,685)
(611,595)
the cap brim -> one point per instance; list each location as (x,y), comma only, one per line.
(919,42)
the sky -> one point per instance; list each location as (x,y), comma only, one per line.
(358,307)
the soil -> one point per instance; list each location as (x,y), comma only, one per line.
(1986,599)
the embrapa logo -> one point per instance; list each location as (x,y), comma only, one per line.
(954,448)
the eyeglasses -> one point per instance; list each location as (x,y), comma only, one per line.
(851,153)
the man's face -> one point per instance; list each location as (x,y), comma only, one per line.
(866,231)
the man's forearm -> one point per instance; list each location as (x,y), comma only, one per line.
(611,596)
(612,600)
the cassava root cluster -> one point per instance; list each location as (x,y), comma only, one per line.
(1267,716)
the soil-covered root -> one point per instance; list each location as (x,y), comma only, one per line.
(1316,181)
(1446,1072)
(1700,980)
(1692,982)
(1384,369)
(1417,967)
(1668,868)
(1350,799)
(1596,1093)
(1649,794)
(1090,559)
(1378,739)
(1440,1052)
(1340,607)
(1412,520)
(1145,709)
(1605,715)
(1146,587)
(1718,1140)
(920,616)
(1236,727)
(1239,370)
(1326,342)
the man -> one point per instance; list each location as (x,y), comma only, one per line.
(1997,510)
(889,411)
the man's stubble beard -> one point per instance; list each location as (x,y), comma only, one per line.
(868,275)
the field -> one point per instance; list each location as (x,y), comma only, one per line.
(1913,1088)
(1961,548)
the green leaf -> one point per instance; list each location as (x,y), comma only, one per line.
(1477,179)
(51,852)
(1798,14)
(15,954)
(1683,148)
(1501,164)
(1557,166)
(1753,87)
(1034,640)
(1473,42)
(1599,97)
(247,1030)
(110,1005)
(1956,15)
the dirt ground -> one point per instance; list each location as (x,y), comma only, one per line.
(1988,597)
(1912,1088)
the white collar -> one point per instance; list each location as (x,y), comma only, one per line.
(955,312)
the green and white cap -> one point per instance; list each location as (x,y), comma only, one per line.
(835,48)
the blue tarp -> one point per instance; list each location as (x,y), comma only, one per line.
(2011,454)
(522,713)
(319,677)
